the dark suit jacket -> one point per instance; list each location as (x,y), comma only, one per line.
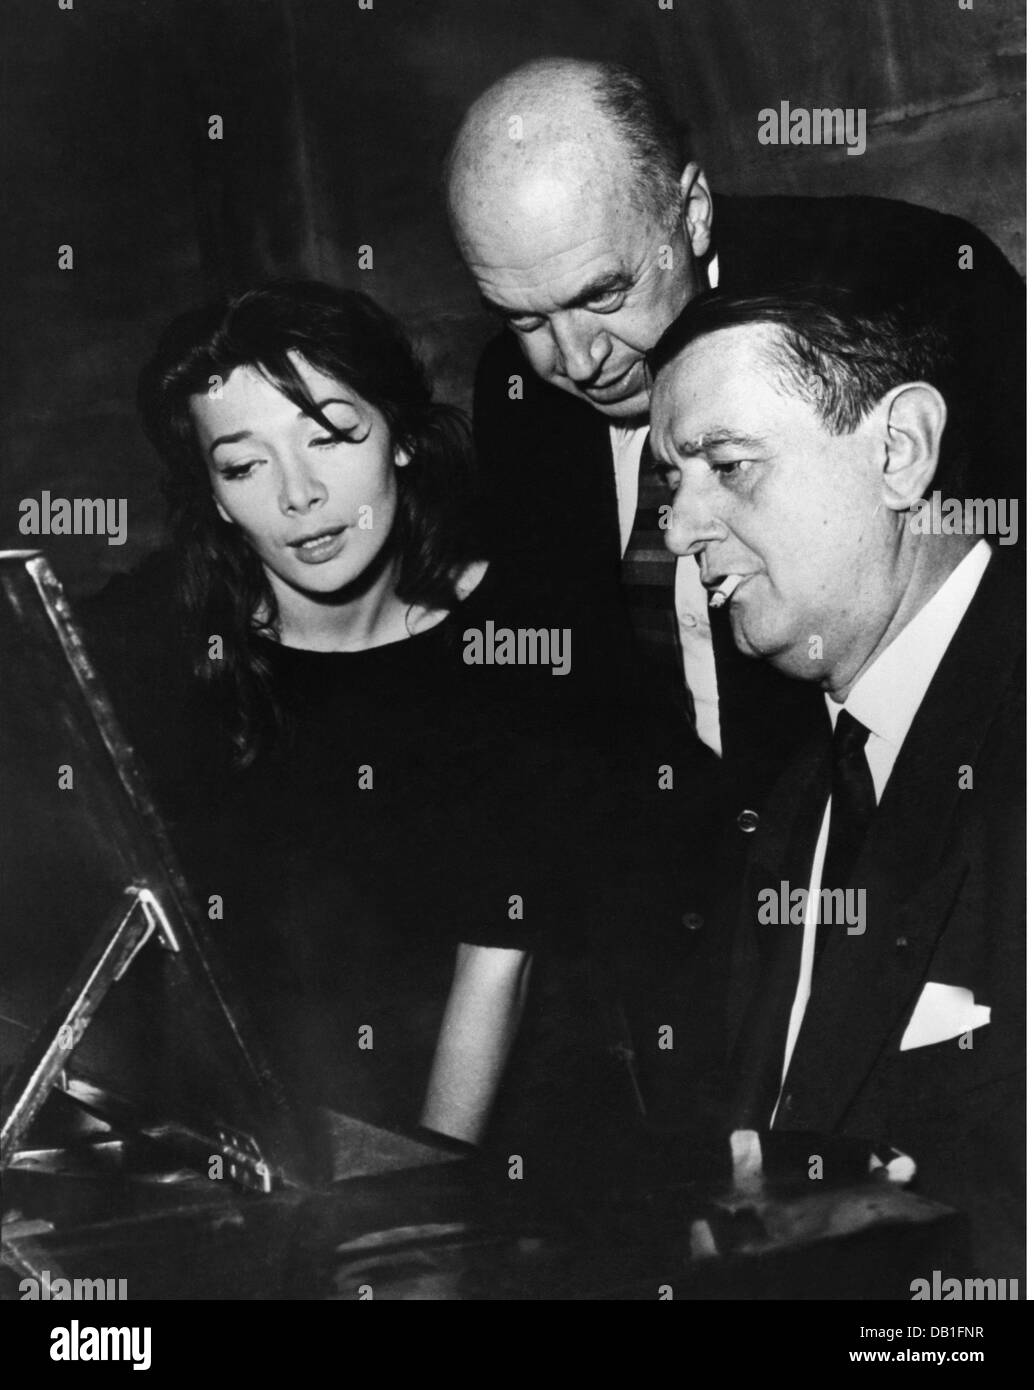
(943,868)
(550,510)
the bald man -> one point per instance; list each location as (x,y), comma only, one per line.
(587,232)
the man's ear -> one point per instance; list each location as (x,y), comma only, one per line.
(697,208)
(913,418)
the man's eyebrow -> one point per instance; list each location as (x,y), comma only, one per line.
(494,308)
(605,284)
(718,439)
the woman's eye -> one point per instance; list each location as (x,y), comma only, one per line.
(350,429)
(233,471)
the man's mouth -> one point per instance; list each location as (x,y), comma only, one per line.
(721,587)
(614,390)
(320,546)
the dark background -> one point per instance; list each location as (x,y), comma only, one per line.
(335,120)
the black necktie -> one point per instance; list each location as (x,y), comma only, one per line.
(758,1059)
(853,802)
(648,584)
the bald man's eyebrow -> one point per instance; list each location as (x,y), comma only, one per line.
(598,289)
(718,439)
(494,308)
(606,284)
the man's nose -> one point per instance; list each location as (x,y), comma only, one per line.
(693,522)
(300,488)
(582,346)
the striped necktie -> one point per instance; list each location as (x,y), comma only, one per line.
(648,585)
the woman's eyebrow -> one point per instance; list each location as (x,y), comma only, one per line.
(302,415)
(331,400)
(228,439)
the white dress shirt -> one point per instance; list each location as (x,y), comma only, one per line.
(690,595)
(885,698)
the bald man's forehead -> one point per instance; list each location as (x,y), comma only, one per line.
(523,177)
(541,204)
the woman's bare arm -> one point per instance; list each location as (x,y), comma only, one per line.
(481,1019)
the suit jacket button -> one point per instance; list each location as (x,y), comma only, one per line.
(692,921)
(901,942)
(747,821)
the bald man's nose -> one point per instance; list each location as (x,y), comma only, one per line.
(581,347)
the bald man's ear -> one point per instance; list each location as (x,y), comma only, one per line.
(697,208)
(913,419)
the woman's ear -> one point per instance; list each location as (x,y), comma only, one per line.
(224,513)
(402,456)
(914,420)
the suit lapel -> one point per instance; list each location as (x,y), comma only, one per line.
(791,817)
(577,463)
(866,983)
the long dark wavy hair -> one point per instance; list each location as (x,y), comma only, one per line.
(222,587)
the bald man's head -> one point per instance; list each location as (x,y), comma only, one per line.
(571,207)
(567,107)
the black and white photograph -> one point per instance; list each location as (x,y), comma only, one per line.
(512,664)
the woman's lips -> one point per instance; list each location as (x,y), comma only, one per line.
(320,548)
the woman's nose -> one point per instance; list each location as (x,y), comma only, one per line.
(300,487)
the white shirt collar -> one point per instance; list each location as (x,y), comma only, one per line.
(886,697)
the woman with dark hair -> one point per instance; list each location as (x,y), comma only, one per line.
(353,795)
(393,553)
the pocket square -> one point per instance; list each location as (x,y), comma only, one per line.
(943,1012)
